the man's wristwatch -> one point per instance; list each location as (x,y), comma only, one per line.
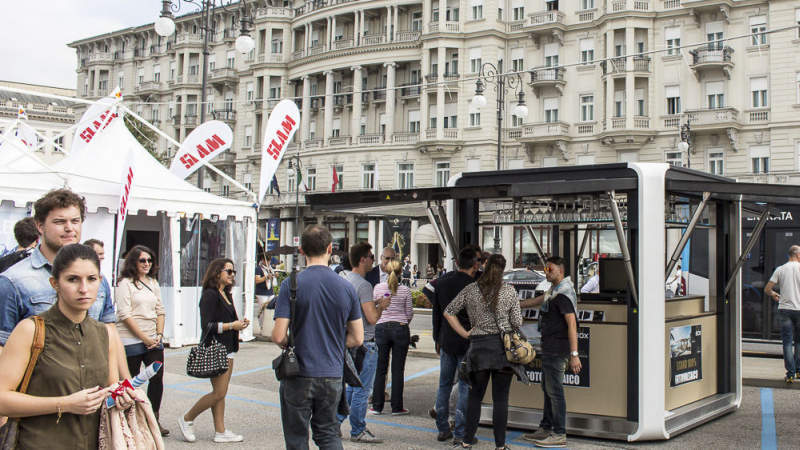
(573,353)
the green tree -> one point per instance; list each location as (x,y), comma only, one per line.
(146,137)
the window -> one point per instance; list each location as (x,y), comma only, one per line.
(673,37)
(277,46)
(121,80)
(759,157)
(758,28)
(291,182)
(715,94)
(474,119)
(674,159)
(551,109)
(311,179)
(226,190)
(171,70)
(340,175)
(619,103)
(405,175)
(140,75)
(550,161)
(413,121)
(585,160)
(450,122)
(587,4)
(587,108)
(452,14)
(714,35)
(640,109)
(231,59)
(587,50)
(551,55)
(518,12)
(673,95)
(639,48)
(250,91)
(275,92)
(248,136)
(368,176)
(475,61)
(157,73)
(716,162)
(312,130)
(435,14)
(212,62)
(473,165)
(432,123)
(336,129)
(416,21)
(247,180)
(517,59)
(516,121)
(442,173)
(477,9)
(758,91)
(155,114)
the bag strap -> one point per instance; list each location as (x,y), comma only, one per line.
(36,349)
(292,303)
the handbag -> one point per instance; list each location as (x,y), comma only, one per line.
(515,343)
(135,428)
(9,432)
(286,364)
(208,359)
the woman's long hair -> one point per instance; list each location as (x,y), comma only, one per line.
(395,270)
(492,279)
(211,278)
(130,268)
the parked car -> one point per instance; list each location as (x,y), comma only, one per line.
(526,282)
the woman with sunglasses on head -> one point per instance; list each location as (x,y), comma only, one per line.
(217,316)
(61,407)
(140,319)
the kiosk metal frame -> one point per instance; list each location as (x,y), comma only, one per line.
(650,411)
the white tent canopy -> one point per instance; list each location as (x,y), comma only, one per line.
(95,172)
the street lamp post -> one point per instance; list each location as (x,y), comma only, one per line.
(165,27)
(685,145)
(510,80)
(292,171)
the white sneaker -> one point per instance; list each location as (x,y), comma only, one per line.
(187,429)
(228,436)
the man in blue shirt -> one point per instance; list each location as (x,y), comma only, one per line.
(25,288)
(330,313)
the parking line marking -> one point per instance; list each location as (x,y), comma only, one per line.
(235,374)
(417,375)
(769,439)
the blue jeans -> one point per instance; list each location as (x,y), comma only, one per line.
(555,406)
(790,334)
(315,400)
(447,371)
(358,398)
(394,338)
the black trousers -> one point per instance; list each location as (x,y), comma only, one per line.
(391,337)
(155,387)
(501,384)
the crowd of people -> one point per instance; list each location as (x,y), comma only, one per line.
(362,311)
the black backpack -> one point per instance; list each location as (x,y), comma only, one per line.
(13,258)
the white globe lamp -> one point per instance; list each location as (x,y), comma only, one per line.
(164,26)
(521,111)
(683,146)
(244,44)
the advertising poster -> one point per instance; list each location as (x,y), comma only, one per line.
(534,371)
(685,354)
(397,235)
(273,234)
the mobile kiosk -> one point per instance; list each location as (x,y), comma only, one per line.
(653,366)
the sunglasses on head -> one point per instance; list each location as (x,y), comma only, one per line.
(145,260)
(230,271)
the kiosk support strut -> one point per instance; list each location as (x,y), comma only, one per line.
(536,244)
(687,234)
(762,222)
(623,245)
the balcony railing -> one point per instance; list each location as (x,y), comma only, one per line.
(615,6)
(297,54)
(367,139)
(672,121)
(316,50)
(189,38)
(225,72)
(430,133)
(225,115)
(274,12)
(586,15)
(641,64)
(451,133)
(450,27)
(547,74)
(672,4)
(100,57)
(711,117)
(512,133)
(342,43)
(190,120)
(312,143)
(545,18)
(612,66)
(585,128)
(517,25)
(148,86)
(412,89)
(617,123)
(405,137)
(543,129)
(380,94)
(339,140)
(373,39)
(641,122)
(705,55)
(759,116)
(407,36)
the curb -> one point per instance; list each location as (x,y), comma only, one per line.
(769,383)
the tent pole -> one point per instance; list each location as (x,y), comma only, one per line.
(30,155)
(178,144)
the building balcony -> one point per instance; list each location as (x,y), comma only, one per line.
(342,100)
(190,120)
(545,77)
(510,134)
(618,6)
(226,115)
(705,58)
(618,66)
(317,102)
(148,87)
(224,77)
(316,50)
(379,95)
(544,21)
(431,82)
(672,4)
(370,139)
(407,36)
(100,58)
(139,53)
(297,54)
(712,120)
(272,103)
(544,132)
(188,39)
(447,134)
(451,80)
(620,123)
(340,141)
(274,12)
(410,90)
(515,26)
(586,15)
(312,143)
(342,44)
(405,137)
(449,27)
(270,58)
(758,116)
(373,39)
(225,159)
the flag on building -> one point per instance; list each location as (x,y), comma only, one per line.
(300,183)
(335,180)
(274,185)
(27,135)
(21,114)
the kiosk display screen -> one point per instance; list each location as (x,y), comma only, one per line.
(612,275)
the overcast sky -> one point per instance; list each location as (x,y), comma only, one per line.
(35,34)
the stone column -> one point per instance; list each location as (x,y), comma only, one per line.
(424,102)
(372,236)
(328,104)
(413,246)
(442,14)
(328,33)
(333,33)
(379,248)
(609,79)
(426,13)
(356,27)
(361,23)
(508,245)
(305,115)
(441,58)
(293,43)
(388,24)
(390,100)
(394,23)
(630,81)
(355,124)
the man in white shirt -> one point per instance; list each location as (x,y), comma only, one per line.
(787,279)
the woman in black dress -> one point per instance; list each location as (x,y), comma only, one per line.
(218,316)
